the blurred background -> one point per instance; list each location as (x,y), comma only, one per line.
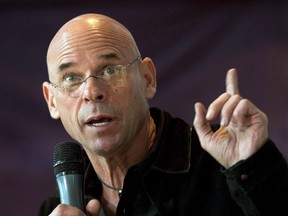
(193,44)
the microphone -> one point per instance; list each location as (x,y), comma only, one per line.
(69,170)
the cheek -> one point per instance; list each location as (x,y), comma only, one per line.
(131,94)
(68,115)
(129,97)
(136,101)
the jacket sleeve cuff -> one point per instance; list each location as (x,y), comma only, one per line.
(265,162)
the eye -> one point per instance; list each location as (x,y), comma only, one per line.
(72,78)
(112,69)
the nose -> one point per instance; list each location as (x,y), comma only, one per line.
(93,89)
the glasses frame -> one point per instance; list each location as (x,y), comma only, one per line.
(55,85)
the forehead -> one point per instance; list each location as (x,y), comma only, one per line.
(80,38)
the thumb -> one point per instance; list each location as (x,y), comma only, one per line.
(93,207)
(200,121)
(201,125)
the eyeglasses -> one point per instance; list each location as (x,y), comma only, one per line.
(72,83)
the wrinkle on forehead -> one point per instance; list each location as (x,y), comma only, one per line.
(86,28)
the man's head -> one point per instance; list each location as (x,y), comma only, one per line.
(101,113)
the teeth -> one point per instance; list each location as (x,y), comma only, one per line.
(99,124)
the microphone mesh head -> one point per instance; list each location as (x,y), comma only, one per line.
(68,158)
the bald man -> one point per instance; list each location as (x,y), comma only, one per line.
(141,160)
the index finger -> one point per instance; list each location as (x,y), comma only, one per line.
(232,82)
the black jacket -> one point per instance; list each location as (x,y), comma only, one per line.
(179,178)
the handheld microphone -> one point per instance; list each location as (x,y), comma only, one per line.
(69,170)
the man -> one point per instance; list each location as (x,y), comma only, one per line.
(142,161)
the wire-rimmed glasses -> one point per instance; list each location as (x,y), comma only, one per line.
(71,83)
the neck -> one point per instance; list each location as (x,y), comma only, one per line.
(112,170)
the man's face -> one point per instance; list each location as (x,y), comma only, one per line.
(105,117)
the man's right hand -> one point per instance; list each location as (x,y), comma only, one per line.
(92,209)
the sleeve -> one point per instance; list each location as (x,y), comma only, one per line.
(259,184)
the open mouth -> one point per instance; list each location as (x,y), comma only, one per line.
(99,122)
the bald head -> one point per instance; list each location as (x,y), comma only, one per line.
(84,31)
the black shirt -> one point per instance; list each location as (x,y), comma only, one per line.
(179,178)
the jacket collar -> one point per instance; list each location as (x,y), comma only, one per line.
(172,144)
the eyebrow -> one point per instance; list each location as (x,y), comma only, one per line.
(63,66)
(66,65)
(109,56)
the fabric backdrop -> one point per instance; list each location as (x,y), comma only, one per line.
(193,44)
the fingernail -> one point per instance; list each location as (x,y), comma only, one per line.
(230,89)
(209,114)
(223,122)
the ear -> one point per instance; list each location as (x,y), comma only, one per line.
(50,100)
(149,77)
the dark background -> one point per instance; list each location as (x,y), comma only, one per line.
(193,44)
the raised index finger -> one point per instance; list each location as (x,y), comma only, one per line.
(232,82)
